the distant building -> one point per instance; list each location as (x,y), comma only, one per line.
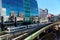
(43,13)
(12,13)
(20,19)
(34,19)
(26,7)
(20,14)
(50,17)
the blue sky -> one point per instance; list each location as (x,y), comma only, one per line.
(52,5)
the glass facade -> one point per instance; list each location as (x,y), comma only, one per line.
(13,5)
(26,7)
(33,8)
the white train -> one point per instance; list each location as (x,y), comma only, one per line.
(32,25)
(19,28)
(14,29)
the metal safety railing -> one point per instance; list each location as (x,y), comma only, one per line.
(5,37)
(19,37)
(36,34)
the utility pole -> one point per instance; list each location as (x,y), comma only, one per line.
(2,23)
(15,22)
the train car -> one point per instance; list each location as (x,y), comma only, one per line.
(15,29)
(19,28)
(26,27)
(32,25)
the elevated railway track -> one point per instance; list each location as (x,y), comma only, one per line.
(24,33)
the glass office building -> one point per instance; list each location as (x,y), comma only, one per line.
(26,7)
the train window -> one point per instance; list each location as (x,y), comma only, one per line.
(22,27)
(15,29)
(12,30)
